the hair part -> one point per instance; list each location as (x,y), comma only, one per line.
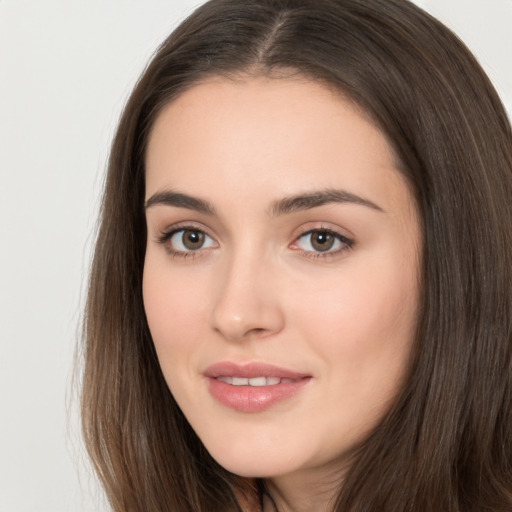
(446,443)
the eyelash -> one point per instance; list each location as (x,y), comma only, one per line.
(166,236)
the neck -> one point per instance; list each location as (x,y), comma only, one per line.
(293,494)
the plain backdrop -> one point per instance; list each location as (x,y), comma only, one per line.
(66,68)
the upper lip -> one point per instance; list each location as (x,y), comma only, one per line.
(251,370)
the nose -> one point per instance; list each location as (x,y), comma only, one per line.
(247,301)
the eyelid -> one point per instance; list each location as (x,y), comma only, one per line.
(309,227)
(184,225)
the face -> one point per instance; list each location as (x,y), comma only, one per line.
(281,273)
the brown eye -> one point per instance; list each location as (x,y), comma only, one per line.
(189,240)
(192,240)
(322,240)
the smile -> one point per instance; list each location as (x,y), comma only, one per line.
(253,387)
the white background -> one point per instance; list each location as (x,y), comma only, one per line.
(66,68)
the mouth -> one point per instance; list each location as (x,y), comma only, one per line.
(253,387)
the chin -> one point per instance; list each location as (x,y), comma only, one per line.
(253,469)
(254,461)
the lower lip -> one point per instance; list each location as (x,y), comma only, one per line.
(254,398)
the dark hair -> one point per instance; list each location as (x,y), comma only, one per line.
(446,443)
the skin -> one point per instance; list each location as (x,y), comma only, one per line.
(259,291)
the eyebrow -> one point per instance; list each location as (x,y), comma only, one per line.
(299,202)
(171,198)
(307,201)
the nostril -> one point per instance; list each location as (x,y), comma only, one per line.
(257,331)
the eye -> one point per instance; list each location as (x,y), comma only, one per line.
(322,241)
(188,240)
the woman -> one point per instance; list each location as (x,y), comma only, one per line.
(300,295)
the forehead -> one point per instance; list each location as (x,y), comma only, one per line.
(278,135)
(250,106)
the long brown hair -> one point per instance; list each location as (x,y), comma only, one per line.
(446,444)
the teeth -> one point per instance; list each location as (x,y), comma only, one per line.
(255,381)
(258,381)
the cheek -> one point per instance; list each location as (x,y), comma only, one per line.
(363,324)
(361,304)
(173,312)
